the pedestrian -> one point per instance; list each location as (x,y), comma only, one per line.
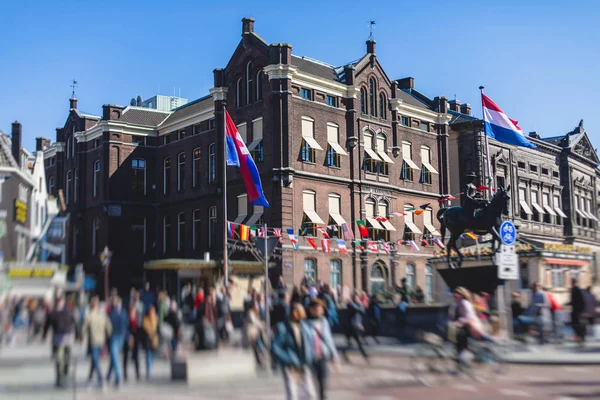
(174,321)
(464,317)
(163,306)
(255,330)
(281,310)
(292,349)
(150,335)
(97,326)
(329,305)
(119,321)
(374,319)
(223,313)
(199,304)
(209,336)
(356,328)
(62,322)
(577,304)
(324,350)
(517,311)
(132,343)
(590,307)
(419,296)
(148,297)
(38,317)
(540,311)
(296,295)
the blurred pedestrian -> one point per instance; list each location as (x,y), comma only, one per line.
(199,304)
(148,297)
(329,305)
(38,317)
(174,321)
(223,313)
(163,306)
(296,295)
(150,333)
(590,307)
(540,311)
(97,326)
(577,304)
(419,295)
(373,319)
(132,343)
(255,330)
(324,350)
(119,321)
(356,328)
(62,322)
(292,349)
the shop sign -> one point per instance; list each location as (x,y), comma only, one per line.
(567,248)
(31,271)
(507,261)
(20,211)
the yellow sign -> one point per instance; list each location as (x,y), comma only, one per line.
(30,272)
(566,248)
(20,211)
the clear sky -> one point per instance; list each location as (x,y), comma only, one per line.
(539,60)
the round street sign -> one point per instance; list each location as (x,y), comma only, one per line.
(508,233)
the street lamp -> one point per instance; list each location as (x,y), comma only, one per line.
(105,258)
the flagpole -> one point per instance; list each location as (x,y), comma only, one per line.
(267,316)
(225,197)
(488,164)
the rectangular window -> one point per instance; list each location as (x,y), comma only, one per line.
(405,121)
(96,187)
(256,146)
(181,172)
(310,268)
(334,150)
(306,94)
(408,165)
(555,174)
(197,173)
(181,134)
(76,186)
(51,185)
(549,216)
(533,168)
(167,176)
(196,229)
(139,140)
(138,176)
(559,212)
(332,101)
(521,164)
(212,123)
(310,219)
(197,129)
(335,222)
(500,182)
(545,171)
(309,144)
(166,234)
(212,164)
(537,210)
(180,232)
(424,126)
(166,139)
(212,225)
(426,168)
(68,187)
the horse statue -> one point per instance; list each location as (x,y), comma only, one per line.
(458,221)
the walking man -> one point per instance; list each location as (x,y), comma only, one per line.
(97,325)
(119,322)
(577,308)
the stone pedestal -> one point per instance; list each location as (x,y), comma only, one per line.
(214,366)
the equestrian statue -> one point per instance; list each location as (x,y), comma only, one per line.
(476,215)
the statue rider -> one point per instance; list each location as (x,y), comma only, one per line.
(473,202)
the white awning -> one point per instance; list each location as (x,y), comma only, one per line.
(412,227)
(385,157)
(429,167)
(525,207)
(374,223)
(313,217)
(432,229)
(549,209)
(560,212)
(337,218)
(581,213)
(255,143)
(592,216)
(240,218)
(312,143)
(371,153)
(410,163)
(538,208)
(388,225)
(337,148)
(254,217)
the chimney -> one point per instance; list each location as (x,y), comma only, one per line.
(16,141)
(59,134)
(349,74)
(41,143)
(247,25)
(371,46)
(441,104)
(465,109)
(406,83)
(111,112)
(455,105)
(534,135)
(73,103)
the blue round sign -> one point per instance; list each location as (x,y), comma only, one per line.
(508,233)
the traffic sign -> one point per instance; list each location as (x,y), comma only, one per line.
(508,233)
(507,261)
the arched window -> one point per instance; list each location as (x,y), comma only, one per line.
(363,100)
(410,228)
(167,175)
(69,179)
(96,188)
(372,97)
(378,278)
(166,234)
(68,147)
(383,166)
(181,172)
(238,93)
(180,232)
(382,106)
(196,167)
(212,225)
(335,274)
(196,228)
(95,236)
(310,268)
(428,283)
(249,91)
(410,276)
(259,85)
(371,159)
(212,164)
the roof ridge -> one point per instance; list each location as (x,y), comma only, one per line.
(144,109)
(314,60)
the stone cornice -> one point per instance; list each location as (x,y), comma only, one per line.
(218,93)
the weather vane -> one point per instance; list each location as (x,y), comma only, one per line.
(371,26)
(73,86)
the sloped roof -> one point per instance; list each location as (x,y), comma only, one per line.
(85,115)
(143,116)
(318,68)
(188,109)
(458,118)
(412,97)
(6,157)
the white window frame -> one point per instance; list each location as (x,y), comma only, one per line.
(96,182)
(180,167)
(138,168)
(195,162)
(179,227)
(195,219)
(165,224)
(69,180)
(249,91)
(75,184)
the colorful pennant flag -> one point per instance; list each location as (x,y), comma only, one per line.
(277,232)
(334,228)
(410,209)
(398,213)
(400,242)
(424,243)
(244,232)
(482,187)
(372,246)
(347,232)
(293,238)
(418,211)
(439,243)
(326,245)
(358,243)
(386,247)
(412,244)
(342,246)
(252,233)
(472,235)
(230,229)
(381,218)
(311,241)
(424,206)
(323,231)
(362,228)
(302,232)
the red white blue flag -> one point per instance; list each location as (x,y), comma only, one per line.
(342,246)
(239,156)
(326,245)
(500,127)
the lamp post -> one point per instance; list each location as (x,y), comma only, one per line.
(105,257)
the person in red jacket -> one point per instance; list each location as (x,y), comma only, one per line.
(199,302)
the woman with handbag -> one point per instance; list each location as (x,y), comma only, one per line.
(324,346)
(150,329)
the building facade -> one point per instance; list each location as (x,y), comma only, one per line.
(553,197)
(333,145)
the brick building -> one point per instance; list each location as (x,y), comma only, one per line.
(333,145)
(553,202)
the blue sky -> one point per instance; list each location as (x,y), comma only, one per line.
(537,60)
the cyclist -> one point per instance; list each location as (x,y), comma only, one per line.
(467,324)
